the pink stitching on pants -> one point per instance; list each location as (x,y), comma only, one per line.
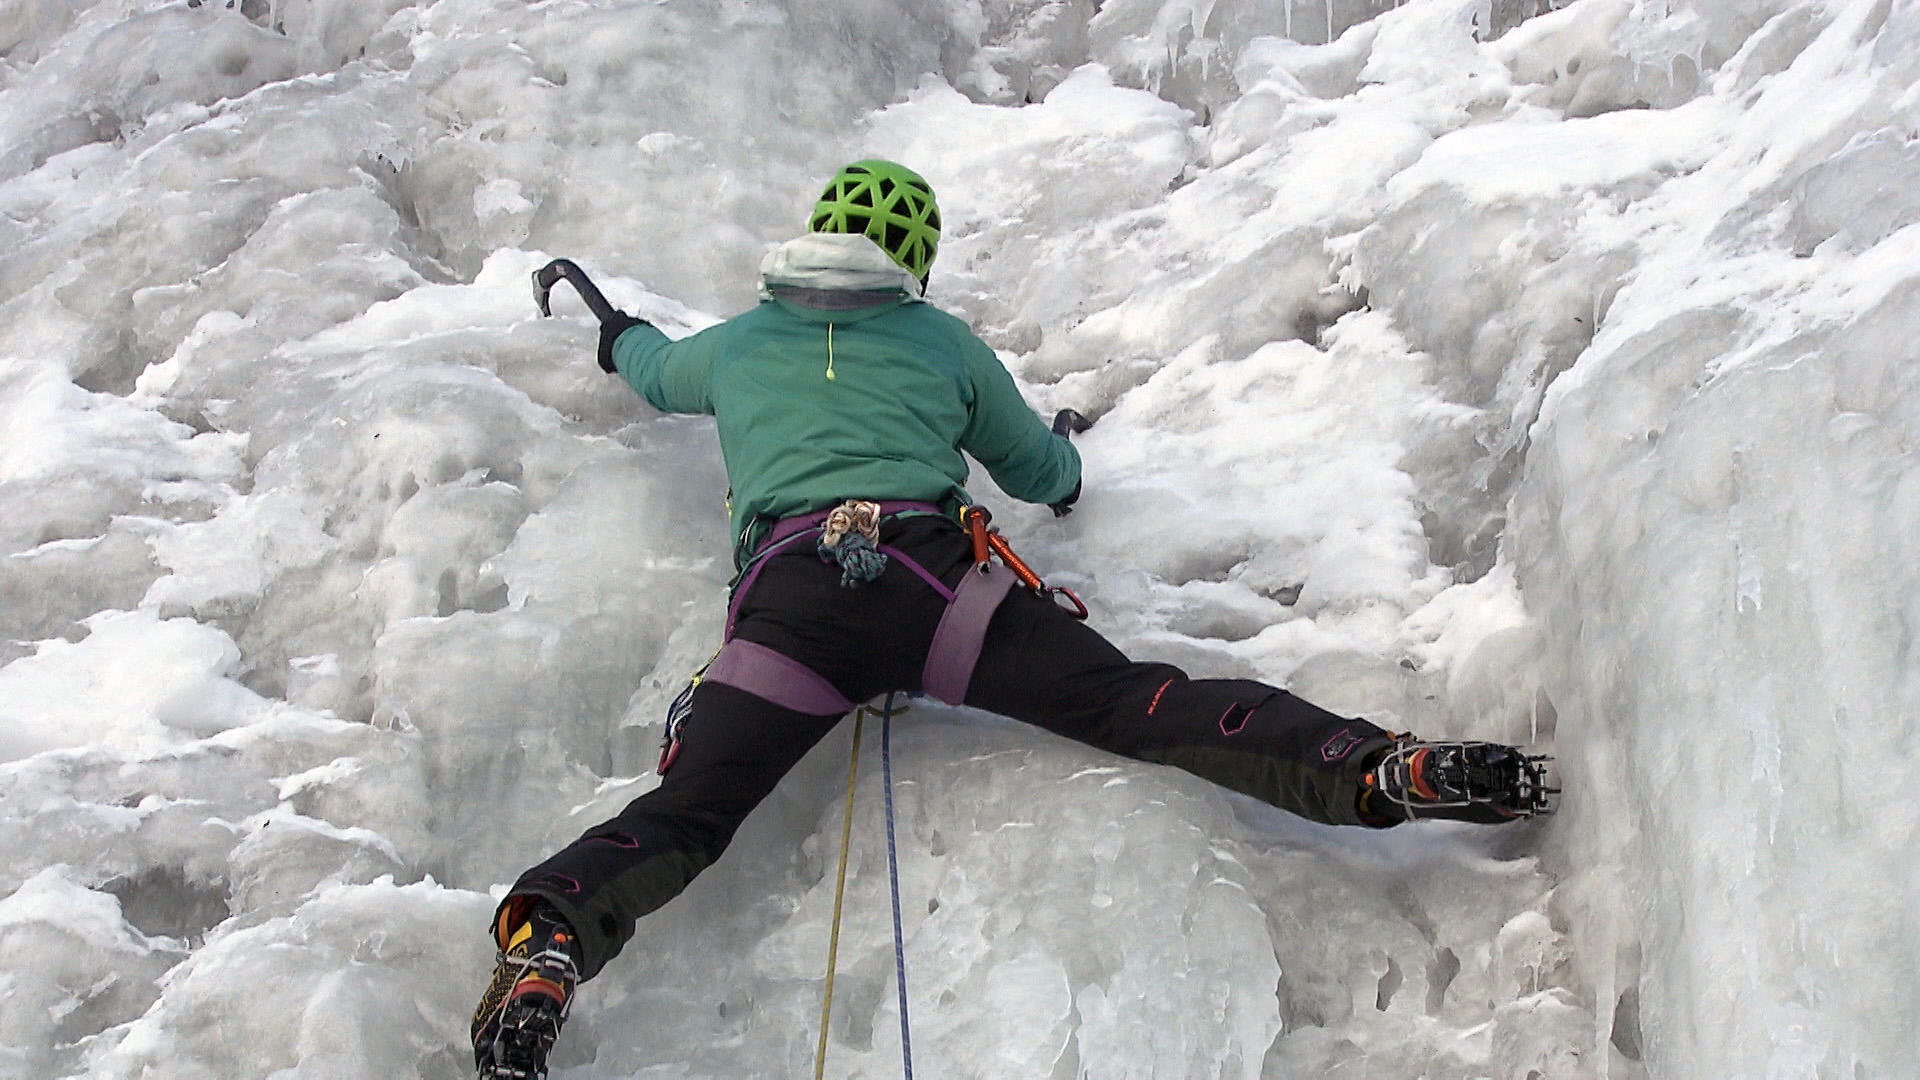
(1157,694)
(1340,745)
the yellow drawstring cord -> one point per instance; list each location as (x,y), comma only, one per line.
(829,352)
(840,887)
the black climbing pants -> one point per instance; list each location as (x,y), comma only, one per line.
(1038,664)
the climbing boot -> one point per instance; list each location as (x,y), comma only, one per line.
(526,1002)
(1479,782)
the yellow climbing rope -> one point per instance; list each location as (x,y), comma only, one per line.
(839,897)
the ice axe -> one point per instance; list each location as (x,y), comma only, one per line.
(547,276)
(1070,422)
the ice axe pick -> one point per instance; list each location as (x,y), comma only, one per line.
(551,274)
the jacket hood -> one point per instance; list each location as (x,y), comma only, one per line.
(838,261)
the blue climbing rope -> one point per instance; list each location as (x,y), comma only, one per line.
(893,879)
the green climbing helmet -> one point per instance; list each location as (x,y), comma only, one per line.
(887,203)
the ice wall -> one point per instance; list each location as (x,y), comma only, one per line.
(1516,370)
(1741,431)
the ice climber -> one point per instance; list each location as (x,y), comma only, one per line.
(844,403)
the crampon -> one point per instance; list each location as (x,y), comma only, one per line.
(1479,782)
(525,1004)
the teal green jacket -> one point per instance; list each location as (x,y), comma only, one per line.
(816,406)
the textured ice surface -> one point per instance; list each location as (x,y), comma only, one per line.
(1510,369)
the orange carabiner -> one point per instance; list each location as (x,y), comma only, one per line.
(987,542)
(976,518)
(1020,569)
(1030,579)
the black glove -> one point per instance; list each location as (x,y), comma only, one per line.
(618,323)
(1067,423)
(1065,506)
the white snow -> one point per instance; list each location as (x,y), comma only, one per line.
(1529,370)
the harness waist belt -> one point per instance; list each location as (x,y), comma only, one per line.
(799,523)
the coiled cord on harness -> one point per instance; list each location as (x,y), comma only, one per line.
(850,538)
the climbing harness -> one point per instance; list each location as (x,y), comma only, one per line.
(887,713)
(852,530)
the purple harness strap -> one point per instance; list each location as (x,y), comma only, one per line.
(765,673)
(962,632)
(957,640)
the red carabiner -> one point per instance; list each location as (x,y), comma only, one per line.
(1079,608)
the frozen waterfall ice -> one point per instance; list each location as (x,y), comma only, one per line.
(1527,370)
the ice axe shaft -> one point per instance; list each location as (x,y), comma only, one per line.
(547,276)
